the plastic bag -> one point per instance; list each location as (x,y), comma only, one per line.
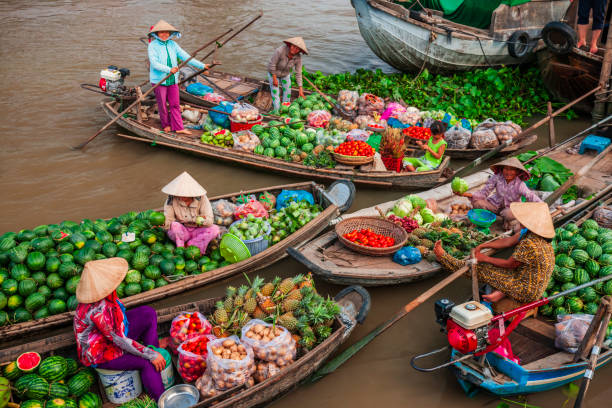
(198,89)
(223,212)
(325,138)
(486,124)
(205,385)
(186,326)
(319,118)
(411,116)
(265,370)
(191,115)
(570,330)
(268,200)
(245,140)
(269,342)
(457,137)
(214,98)
(369,103)
(341,124)
(358,135)
(484,139)
(407,256)
(230,363)
(192,357)
(506,131)
(392,109)
(286,196)
(252,207)
(362,121)
(348,100)
(220,118)
(244,113)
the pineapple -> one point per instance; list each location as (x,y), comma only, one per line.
(259,314)
(295,294)
(229,299)
(286,286)
(307,282)
(413,240)
(239,299)
(323,332)
(427,243)
(220,314)
(249,305)
(289,305)
(419,232)
(308,341)
(257,282)
(288,321)
(298,280)
(268,288)
(265,303)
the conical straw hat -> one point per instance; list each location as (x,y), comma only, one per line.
(535,217)
(100,278)
(184,186)
(515,163)
(162,25)
(298,42)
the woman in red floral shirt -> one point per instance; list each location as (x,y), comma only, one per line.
(107,334)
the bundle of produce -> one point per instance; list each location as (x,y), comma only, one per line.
(320,158)
(367,237)
(221,138)
(484,139)
(411,116)
(348,100)
(582,254)
(223,211)
(290,218)
(369,103)
(355,148)
(362,121)
(414,207)
(55,382)
(268,200)
(284,142)
(229,363)
(270,342)
(319,118)
(192,357)
(143,401)
(503,130)
(191,115)
(250,228)
(301,107)
(358,135)
(546,174)
(570,331)
(603,216)
(245,140)
(340,124)
(292,303)
(186,326)
(457,137)
(417,132)
(244,113)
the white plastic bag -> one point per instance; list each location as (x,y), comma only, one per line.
(244,113)
(370,103)
(362,121)
(358,135)
(348,100)
(269,342)
(484,139)
(570,330)
(223,210)
(229,362)
(245,140)
(457,137)
(265,370)
(191,115)
(319,118)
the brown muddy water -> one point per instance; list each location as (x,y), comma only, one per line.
(49,47)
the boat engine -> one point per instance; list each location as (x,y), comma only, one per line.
(466,325)
(111,79)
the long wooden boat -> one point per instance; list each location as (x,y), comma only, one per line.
(354,302)
(150,131)
(411,40)
(328,258)
(334,201)
(472,154)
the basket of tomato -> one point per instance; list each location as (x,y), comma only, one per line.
(373,236)
(417,132)
(354,153)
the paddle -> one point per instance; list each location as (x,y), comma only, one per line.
(137,101)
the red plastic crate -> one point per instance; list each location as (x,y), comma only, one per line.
(392,163)
(238,126)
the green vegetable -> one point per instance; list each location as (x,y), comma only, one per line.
(459,185)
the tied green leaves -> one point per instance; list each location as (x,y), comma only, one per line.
(508,93)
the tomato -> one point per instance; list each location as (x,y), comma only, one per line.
(355,148)
(367,237)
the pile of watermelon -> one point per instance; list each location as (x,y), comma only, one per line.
(290,143)
(301,107)
(40,268)
(55,382)
(582,254)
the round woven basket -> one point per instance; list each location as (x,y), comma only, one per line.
(378,225)
(353,160)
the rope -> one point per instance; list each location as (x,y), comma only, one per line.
(432,37)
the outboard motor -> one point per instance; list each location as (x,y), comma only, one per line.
(112,78)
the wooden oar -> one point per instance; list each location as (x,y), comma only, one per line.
(137,101)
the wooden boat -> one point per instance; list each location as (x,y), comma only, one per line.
(328,258)
(334,201)
(150,131)
(412,40)
(354,301)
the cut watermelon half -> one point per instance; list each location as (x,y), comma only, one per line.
(28,361)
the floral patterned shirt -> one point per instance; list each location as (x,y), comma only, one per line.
(505,193)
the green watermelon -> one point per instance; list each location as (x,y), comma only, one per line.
(85,254)
(54,281)
(155,260)
(53,368)
(40,278)
(594,250)
(42,313)
(132,289)
(94,245)
(581,276)
(191,266)
(140,261)
(72,302)
(125,254)
(109,249)
(590,224)
(10,286)
(587,294)
(259,149)
(559,311)
(157,218)
(72,283)
(56,306)
(607,288)
(61,293)
(571,227)
(574,304)
(179,263)
(157,248)
(563,275)
(45,291)
(133,276)
(160,282)
(148,237)
(3,301)
(71,367)
(7,244)
(564,260)
(605,271)
(592,267)
(192,252)
(605,259)
(546,310)
(104,237)
(58,390)
(78,240)
(121,290)
(114,227)
(32,386)
(52,264)
(563,247)
(65,248)
(25,235)
(590,308)
(269,151)
(180,251)
(66,258)
(607,247)
(90,400)
(152,272)
(26,287)
(4,318)
(167,267)
(42,244)
(11,371)
(590,234)
(20,272)
(14,302)
(147,284)
(56,403)
(580,256)
(32,404)
(568,286)
(67,270)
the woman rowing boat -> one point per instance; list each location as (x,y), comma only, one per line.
(525,275)
(286,57)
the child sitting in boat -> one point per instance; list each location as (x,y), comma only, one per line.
(189,215)
(107,335)
(505,186)
(525,275)
(434,150)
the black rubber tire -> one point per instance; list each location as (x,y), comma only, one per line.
(518,44)
(559,37)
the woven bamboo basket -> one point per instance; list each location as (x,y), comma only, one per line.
(353,160)
(379,226)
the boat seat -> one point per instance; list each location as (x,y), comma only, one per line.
(593,142)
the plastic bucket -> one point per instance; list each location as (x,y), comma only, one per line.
(167,374)
(120,386)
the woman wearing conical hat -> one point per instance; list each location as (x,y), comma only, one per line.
(505,186)
(525,275)
(110,337)
(164,54)
(189,215)
(285,58)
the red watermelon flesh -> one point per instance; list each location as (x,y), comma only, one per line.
(28,361)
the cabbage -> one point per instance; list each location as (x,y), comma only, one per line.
(459,185)
(417,201)
(402,208)
(439,217)
(418,219)
(428,215)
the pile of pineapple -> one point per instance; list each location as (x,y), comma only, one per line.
(292,303)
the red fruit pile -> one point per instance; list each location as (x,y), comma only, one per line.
(367,237)
(407,223)
(192,358)
(355,148)
(417,132)
(187,326)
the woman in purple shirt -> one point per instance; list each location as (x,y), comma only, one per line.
(505,186)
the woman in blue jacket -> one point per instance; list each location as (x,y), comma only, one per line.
(163,56)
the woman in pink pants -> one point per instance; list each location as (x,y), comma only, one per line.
(189,215)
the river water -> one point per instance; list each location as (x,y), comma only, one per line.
(50,47)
